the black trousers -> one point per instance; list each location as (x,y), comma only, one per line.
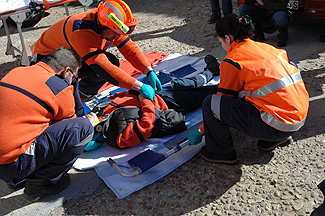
(222,112)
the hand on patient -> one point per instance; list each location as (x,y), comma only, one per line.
(154,80)
(147,92)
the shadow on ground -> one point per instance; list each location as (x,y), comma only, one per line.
(8,66)
(177,193)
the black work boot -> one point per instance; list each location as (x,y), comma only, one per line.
(269,146)
(229,158)
(37,188)
(212,65)
(320,211)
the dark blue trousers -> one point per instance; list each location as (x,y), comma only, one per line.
(215,7)
(188,93)
(93,77)
(52,154)
(222,112)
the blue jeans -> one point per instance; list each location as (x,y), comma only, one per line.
(215,7)
(222,112)
(267,23)
(54,152)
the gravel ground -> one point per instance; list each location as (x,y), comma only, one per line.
(282,182)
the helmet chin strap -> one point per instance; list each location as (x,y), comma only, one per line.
(124,28)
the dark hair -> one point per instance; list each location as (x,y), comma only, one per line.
(63,57)
(239,28)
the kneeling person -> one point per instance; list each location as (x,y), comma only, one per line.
(41,135)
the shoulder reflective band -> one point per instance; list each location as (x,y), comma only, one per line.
(273,87)
(124,28)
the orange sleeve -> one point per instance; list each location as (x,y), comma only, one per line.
(231,80)
(132,53)
(130,136)
(65,105)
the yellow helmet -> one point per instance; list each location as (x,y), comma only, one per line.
(116,15)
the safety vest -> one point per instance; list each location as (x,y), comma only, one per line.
(273,85)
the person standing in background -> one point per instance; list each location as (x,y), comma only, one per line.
(216,11)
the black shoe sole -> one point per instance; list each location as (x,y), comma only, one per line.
(212,64)
(283,143)
(219,160)
(17,187)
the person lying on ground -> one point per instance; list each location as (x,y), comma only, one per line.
(91,33)
(260,94)
(131,118)
(42,133)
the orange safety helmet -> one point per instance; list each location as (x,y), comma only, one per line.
(109,10)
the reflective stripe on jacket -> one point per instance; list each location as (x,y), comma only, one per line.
(262,75)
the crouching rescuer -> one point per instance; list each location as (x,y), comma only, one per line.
(261,93)
(91,33)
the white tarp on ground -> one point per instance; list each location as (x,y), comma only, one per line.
(123,186)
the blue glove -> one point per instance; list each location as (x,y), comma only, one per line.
(195,137)
(154,80)
(93,144)
(147,92)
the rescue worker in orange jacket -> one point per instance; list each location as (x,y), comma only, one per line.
(260,93)
(90,34)
(41,136)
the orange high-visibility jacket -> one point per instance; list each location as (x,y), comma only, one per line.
(31,99)
(82,32)
(262,75)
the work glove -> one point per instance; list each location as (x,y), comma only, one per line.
(147,92)
(154,80)
(195,137)
(93,144)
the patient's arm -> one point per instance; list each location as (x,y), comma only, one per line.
(139,130)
